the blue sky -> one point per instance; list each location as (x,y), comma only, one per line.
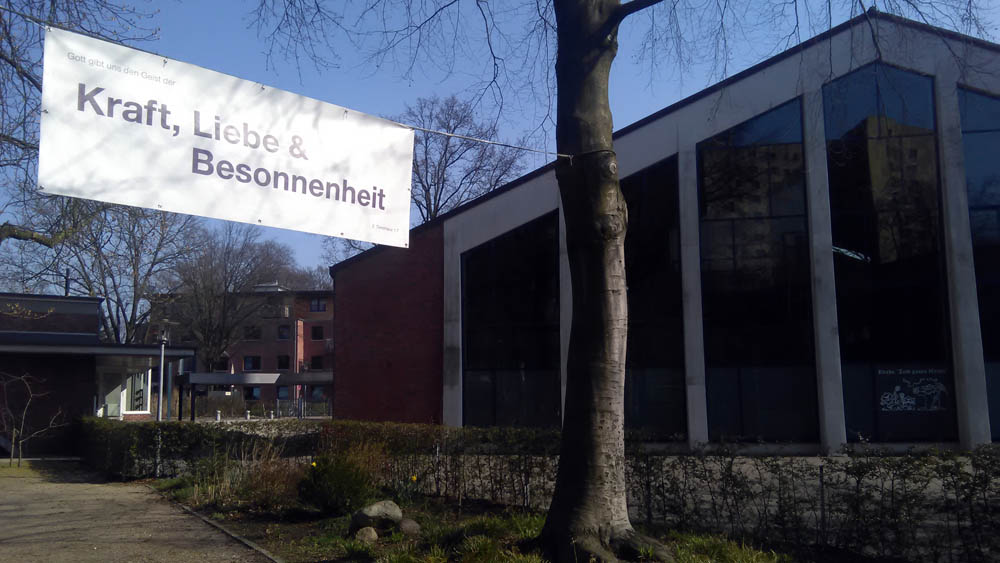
(219,35)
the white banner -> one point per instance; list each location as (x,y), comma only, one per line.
(125,126)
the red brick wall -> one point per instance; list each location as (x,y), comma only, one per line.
(388,333)
(300,347)
(311,348)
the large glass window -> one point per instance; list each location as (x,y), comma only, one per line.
(756,298)
(981,140)
(654,370)
(510,322)
(111,390)
(136,391)
(891,300)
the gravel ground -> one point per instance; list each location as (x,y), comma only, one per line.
(57,511)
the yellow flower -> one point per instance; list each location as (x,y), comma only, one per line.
(314,464)
(413,478)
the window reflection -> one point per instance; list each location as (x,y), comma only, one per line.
(882,165)
(981,142)
(510,323)
(654,372)
(756,298)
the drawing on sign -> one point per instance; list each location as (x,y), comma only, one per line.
(897,401)
(925,394)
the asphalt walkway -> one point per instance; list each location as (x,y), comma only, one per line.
(58,511)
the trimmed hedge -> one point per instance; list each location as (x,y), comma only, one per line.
(134,450)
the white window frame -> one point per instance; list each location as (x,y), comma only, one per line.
(124,393)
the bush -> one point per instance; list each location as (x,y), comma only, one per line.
(135,450)
(337,484)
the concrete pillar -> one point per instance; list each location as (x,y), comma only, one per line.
(565,310)
(829,384)
(451,399)
(694,337)
(963,302)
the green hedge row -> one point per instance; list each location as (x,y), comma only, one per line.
(428,439)
(133,450)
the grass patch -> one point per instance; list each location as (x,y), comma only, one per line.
(14,471)
(492,535)
(692,548)
(447,536)
(180,489)
(227,489)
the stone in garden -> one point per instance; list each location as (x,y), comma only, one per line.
(383,514)
(409,527)
(367,535)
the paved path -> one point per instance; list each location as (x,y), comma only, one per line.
(58,512)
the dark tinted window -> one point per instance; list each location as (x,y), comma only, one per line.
(284,361)
(510,322)
(251,333)
(318,393)
(756,296)
(317,332)
(882,163)
(981,140)
(654,371)
(251,363)
(284,332)
(316,362)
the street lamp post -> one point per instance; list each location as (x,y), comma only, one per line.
(159,395)
(164,336)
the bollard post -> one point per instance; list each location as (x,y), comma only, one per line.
(218,416)
(272,415)
(248,415)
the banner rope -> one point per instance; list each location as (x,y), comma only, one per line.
(486,141)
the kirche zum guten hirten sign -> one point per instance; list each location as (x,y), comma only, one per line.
(125,126)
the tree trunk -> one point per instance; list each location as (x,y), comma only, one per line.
(588,517)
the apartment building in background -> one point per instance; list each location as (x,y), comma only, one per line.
(283,357)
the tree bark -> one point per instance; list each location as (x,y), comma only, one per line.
(588,517)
